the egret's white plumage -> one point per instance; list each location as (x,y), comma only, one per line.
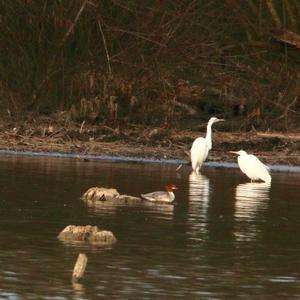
(201,146)
(252,166)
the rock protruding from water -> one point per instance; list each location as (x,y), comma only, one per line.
(100,194)
(88,233)
(96,196)
(128,199)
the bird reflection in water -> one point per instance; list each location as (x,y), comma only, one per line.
(198,202)
(164,211)
(250,206)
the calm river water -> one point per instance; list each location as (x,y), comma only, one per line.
(224,239)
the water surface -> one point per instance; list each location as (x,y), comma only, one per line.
(224,238)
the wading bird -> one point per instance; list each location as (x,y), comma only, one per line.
(252,166)
(201,146)
(162,197)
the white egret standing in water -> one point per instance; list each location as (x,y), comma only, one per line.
(201,146)
(252,166)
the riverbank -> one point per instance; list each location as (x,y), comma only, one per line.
(49,135)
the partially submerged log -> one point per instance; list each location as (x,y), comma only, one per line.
(88,233)
(79,267)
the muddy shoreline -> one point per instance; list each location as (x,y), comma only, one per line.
(273,148)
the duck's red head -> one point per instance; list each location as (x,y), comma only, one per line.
(171,187)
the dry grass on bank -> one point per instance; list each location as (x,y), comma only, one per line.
(49,135)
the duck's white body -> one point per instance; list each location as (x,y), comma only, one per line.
(160,196)
(253,167)
(201,146)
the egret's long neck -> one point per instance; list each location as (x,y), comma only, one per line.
(208,135)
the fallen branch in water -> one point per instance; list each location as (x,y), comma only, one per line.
(79,267)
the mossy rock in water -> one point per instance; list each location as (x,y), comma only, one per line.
(100,194)
(128,199)
(95,196)
(88,233)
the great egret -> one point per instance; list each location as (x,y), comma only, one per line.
(161,197)
(201,146)
(252,166)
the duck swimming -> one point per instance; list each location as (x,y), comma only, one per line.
(161,197)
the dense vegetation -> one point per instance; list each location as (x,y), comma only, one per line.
(151,62)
